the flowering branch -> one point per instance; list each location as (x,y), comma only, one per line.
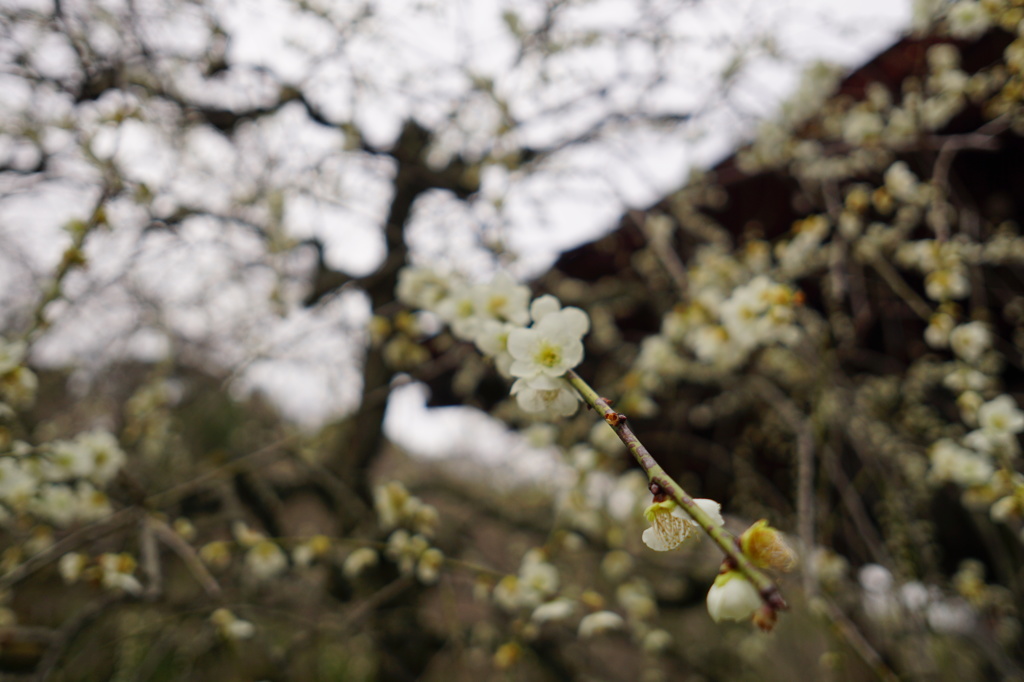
(765,586)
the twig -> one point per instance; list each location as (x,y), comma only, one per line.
(73,541)
(69,630)
(805,513)
(849,632)
(175,493)
(901,288)
(188,555)
(768,590)
(150,556)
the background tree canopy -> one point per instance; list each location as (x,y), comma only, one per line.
(241,243)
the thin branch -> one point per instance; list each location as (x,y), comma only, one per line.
(69,543)
(766,587)
(188,555)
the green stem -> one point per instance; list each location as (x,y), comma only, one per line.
(767,588)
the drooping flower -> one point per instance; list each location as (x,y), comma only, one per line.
(546,394)
(671,526)
(599,623)
(732,597)
(556,610)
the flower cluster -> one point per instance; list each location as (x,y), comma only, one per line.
(18,384)
(414,555)
(397,507)
(111,571)
(61,482)
(536,582)
(535,343)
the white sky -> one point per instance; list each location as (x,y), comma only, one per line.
(210,288)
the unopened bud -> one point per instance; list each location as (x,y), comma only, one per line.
(767,547)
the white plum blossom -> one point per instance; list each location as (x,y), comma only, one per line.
(671,526)
(265,560)
(939,327)
(551,347)
(406,550)
(901,182)
(66,460)
(968,19)
(93,504)
(230,627)
(116,573)
(492,341)
(12,354)
(57,504)
(1001,415)
(17,484)
(759,312)
(422,287)
(598,623)
(732,597)
(553,611)
(571,318)
(106,452)
(970,341)
(952,462)
(358,561)
(461,313)
(538,576)
(543,394)
(947,284)
(71,566)
(428,569)
(503,299)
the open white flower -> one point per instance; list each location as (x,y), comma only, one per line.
(17,484)
(461,313)
(970,341)
(671,526)
(953,462)
(550,347)
(732,597)
(422,287)
(1001,415)
(503,299)
(492,340)
(546,394)
(107,455)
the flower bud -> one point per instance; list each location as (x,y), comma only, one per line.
(767,547)
(732,597)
